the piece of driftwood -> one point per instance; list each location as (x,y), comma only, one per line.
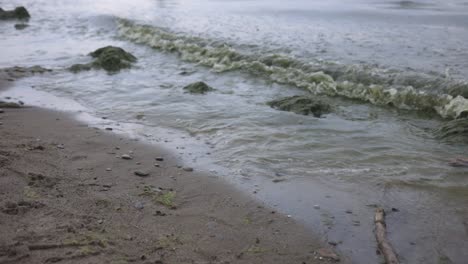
(381,236)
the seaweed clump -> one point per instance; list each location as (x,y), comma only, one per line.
(198,88)
(302,105)
(18,13)
(110,58)
(454,131)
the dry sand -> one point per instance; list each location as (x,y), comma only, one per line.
(68,196)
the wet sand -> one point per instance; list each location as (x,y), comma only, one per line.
(68,196)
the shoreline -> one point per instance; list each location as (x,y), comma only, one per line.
(69,197)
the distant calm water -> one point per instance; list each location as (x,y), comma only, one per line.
(394,71)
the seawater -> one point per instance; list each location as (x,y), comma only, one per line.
(394,72)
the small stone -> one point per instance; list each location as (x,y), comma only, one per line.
(138,163)
(2,111)
(157,165)
(109,128)
(141,173)
(159,213)
(159,159)
(328,253)
(60,146)
(100,221)
(126,157)
(1,123)
(316,206)
(278,180)
(188,169)
(39,147)
(139,205)
(349,211)
(108,169)
(21,102)
(395,209)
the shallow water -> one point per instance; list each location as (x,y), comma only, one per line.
(388,68)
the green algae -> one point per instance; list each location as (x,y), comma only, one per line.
(198,88)
(18,13)
(9,105)
(110,58)
(302,105)
(454,131)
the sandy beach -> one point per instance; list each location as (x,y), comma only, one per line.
(71,193)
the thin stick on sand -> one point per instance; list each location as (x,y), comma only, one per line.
(381,236)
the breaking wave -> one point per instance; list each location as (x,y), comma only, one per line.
(411,91)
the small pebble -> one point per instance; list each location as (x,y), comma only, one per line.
(188,169)
(141,173)
(100,221)
(1,123)
(109,128)
(157,165)
(2,111)
(108,169)
(349,211)
(317,206)
(139,205)
(138,163)
(159,158)
(60,146)
(126,157)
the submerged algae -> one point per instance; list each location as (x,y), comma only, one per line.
(369,84)
(110,58)
(454,131)
(18,13)
(303,105)
(198,88)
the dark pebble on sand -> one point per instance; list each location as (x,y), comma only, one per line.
(109,128)
(141,173)
(278,180)
(1,111)
(188,169)
(126,157)
(159,158)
